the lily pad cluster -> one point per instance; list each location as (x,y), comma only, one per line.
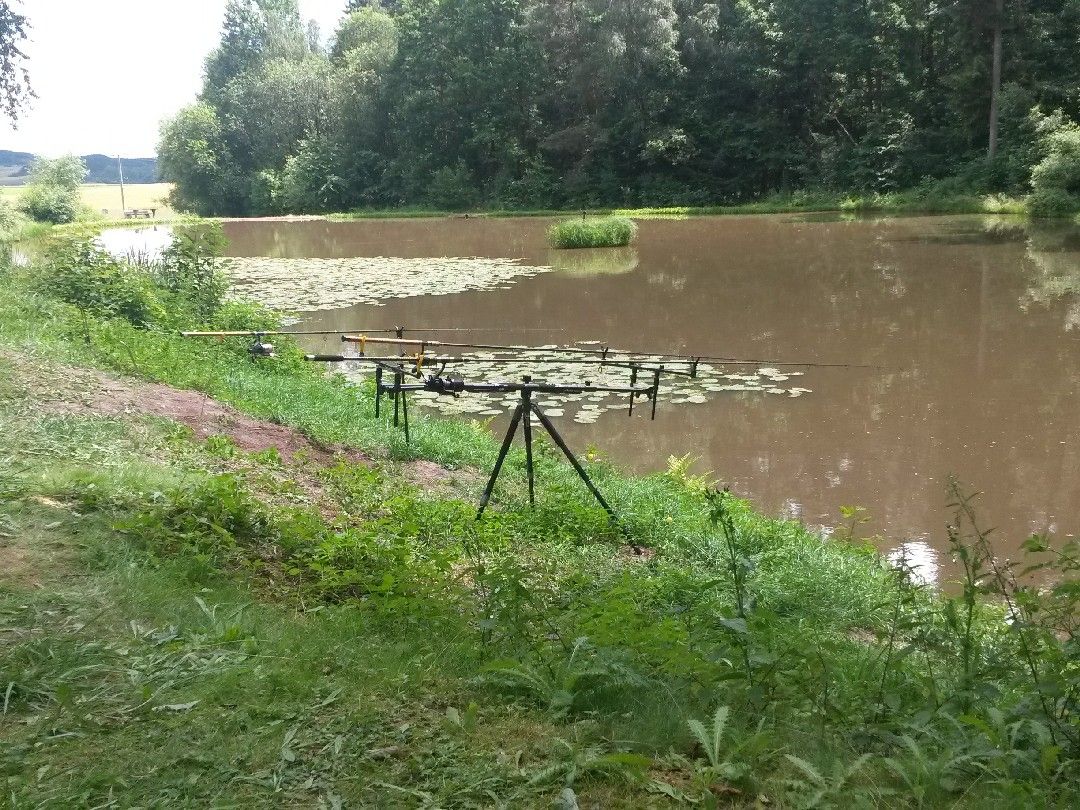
(587,408)
(314,284)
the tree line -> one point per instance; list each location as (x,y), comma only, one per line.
(553,103)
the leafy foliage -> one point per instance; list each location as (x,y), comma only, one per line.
(52,192)
(1056,177)
(15,91)
(184,288)
(614,103)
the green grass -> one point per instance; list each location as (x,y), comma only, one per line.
(227,638)
(902,202)
(612,231)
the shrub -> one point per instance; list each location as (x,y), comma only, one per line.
(1055,180)
(1052,202)
(309,182)
(11,222)
(182,290)
(188,271)
(1060,167)
(452,188)
(589,233)
(52,194)
(81,273)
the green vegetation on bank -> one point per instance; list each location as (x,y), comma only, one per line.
(52,192)
(933,198)
(610,231)
(252,627)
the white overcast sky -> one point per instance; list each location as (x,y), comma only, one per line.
(107,72)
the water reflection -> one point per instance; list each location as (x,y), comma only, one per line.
(594,261)
(141,243)
(919,559)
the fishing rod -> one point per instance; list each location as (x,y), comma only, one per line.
(408,375)
(737,361)
(442,362)
(603,351)
(389,331)
(423,344)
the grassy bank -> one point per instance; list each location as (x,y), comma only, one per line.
(235,627)
(907,202)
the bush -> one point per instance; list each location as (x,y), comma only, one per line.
(1052,202)
(1055,180)
(11,222)
(309,182)
(81,273)
(452,188)
(188,271)
(590,233)
(184,289)
(52,194)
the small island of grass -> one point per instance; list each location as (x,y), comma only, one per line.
(592,233)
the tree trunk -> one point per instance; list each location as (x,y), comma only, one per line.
(995,78)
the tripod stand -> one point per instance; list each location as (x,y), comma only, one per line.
(523,414)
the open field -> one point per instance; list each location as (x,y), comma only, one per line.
(104,199)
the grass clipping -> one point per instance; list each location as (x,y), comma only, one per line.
(592,233)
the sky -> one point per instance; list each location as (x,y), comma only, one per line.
(107,72)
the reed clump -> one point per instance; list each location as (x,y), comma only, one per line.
(610,231)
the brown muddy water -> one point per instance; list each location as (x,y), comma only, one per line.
(972,325)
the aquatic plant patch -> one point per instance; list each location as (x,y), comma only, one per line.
(589,407)
(308,285)
(613,231)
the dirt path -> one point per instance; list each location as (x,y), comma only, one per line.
(86,392)
(82,391)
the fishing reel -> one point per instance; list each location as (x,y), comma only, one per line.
(261,349)
(450,385)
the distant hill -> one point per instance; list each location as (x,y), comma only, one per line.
(15,167)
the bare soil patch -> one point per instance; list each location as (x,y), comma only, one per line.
(81,391)
(431,476)
(84,391)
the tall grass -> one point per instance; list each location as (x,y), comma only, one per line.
(610,231)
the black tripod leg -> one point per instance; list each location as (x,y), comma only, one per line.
(397,399)
(526,405)
(378,389)
(550,428)
(405,414)
(499,462)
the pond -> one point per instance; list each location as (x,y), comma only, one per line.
(959,339)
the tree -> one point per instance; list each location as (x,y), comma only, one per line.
(52,193)
(15,91)
(193,157)
(625,102)
(997,25)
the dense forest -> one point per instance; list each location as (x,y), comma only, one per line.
(549,103)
